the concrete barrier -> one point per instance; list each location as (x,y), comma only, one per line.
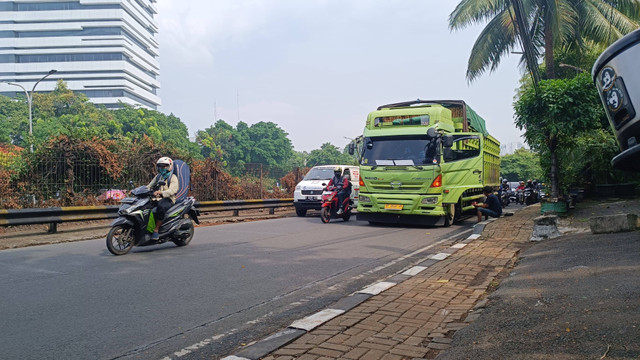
(613,223)
(545,227)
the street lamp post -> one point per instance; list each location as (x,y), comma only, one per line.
(30,99)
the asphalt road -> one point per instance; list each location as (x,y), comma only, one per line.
(235,283)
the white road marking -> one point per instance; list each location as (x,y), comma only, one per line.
(414,270)
(377,288)
(311,322)
(440,256)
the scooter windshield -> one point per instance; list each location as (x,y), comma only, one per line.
(399,151)
(140,191)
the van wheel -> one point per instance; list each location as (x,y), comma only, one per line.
(301,212)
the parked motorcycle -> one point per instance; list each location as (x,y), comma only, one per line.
(330,205)
(135,222)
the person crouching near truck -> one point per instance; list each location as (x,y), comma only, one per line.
(490,207)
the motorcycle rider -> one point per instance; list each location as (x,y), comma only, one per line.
(505,186)
(165,196)
(529,185)
(521,186)
(342,185)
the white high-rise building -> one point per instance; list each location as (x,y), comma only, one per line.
(105,49)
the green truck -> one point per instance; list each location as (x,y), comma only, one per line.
(424,162)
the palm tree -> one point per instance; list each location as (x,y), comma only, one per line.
(547,24)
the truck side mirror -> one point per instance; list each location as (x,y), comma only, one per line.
(447,141)
(352,148)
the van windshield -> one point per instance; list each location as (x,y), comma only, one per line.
(319,174)
(399,150)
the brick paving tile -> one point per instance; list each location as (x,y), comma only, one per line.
(337,347)
(373,354)
(290,351)
(391,357)
(388,343)
(418,352)
(356,353)
(372,345)
(318,339)
(372,326)
(326,352)
(307,357)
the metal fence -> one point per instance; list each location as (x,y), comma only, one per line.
(64,182)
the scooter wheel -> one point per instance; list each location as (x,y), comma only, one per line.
(346,215)
(325,214)
(120,240)
(185,241)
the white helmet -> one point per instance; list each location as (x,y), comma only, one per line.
(164,161)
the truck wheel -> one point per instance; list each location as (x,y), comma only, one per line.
(301,212)
(450,216)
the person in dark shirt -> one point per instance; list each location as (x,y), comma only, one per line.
(491,206)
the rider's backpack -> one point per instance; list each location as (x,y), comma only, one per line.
(182,171)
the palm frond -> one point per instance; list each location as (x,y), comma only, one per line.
(496,40)
(603,23)
(474,11)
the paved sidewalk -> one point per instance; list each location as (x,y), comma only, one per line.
(417,317)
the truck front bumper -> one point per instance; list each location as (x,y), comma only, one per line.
(401,209)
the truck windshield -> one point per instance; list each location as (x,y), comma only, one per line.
(319,174)
(399,150)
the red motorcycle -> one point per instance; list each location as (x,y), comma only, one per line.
(330,205)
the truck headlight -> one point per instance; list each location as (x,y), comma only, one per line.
(363,198)
(430,200)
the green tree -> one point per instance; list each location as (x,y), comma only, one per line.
(329,154)
(523,164)
(553,115)
(554,24)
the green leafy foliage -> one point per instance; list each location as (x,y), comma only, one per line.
(329,154)
(554,115)
(523,164)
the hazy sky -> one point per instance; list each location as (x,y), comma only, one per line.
(318,67)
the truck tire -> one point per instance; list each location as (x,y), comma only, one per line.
(450,216)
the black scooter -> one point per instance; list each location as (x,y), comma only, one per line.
(135,222)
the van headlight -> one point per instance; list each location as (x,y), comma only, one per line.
(430,200)
(298,187)
(363,198)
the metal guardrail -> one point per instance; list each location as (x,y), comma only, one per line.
(56,215)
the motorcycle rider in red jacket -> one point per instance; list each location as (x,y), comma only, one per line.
(343,186)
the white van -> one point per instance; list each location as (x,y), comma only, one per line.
(308,193)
